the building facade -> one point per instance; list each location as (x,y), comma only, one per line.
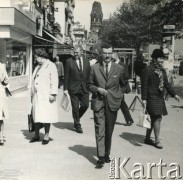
(29,24)
(65,18)
(96,18)
(17,28)
(79,33)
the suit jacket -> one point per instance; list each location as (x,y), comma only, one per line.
(74,78)
(114,86)
(126,76)
(150,91)
(60,68)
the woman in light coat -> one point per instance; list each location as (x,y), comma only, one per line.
(44,94)
(3,101)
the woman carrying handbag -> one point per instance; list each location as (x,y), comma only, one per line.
(44,94)
(153,82)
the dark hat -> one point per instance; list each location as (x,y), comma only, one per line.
(41,52)
(157,53)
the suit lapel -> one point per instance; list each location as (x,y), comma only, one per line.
(101,67)
(113,67)
(75,63)
(84,64)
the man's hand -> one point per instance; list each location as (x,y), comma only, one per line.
(177,98)
(52,98)
(144,103)
(102,91)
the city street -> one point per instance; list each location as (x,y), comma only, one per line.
(72,156)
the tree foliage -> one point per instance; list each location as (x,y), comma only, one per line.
(141,22)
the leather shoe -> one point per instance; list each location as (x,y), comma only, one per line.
(149,142)
(44,142)
(101,161)
(79,130)
(107,159)
(34,140)
(158,145)
(128,124)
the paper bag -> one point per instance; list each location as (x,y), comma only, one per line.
(65,102)
(144,120)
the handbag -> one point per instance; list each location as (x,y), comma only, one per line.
(144,119)
(7,91)
(31,124)
(65,102)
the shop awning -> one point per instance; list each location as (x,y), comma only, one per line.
(40,41)
(65,51)
(53,37)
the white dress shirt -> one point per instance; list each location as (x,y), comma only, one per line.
(77,61)
(109,66)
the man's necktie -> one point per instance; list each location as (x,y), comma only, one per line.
(80,65)
(106,70)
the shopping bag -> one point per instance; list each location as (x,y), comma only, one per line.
(144,119)
(31,124)
(7,91)
(65,102)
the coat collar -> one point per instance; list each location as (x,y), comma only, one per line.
(39,69)
(77,64)
(44,66)
(112,69)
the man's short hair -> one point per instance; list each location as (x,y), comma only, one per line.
(105,45)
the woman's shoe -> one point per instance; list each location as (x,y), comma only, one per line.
(149,142)
(44,142)
(1,142)
(34,140)
(158,145)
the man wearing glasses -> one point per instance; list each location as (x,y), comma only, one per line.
(107,85)
(77,71)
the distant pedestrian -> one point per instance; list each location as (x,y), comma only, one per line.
(60,69)
(124,107)
(93,61)
(77,71)
(3,101)
(44,94)
(154,80)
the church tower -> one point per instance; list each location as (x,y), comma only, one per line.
(96,17)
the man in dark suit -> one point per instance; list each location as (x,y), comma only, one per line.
(77,71)
(124,107)
(106,83)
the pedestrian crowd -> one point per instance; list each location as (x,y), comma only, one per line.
(107,81)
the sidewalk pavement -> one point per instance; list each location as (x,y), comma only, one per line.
(72,156)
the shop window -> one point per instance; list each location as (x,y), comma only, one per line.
(16,58)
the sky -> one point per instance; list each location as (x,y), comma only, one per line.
(83,9)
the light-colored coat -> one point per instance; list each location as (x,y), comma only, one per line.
(45,83)
(3,99)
